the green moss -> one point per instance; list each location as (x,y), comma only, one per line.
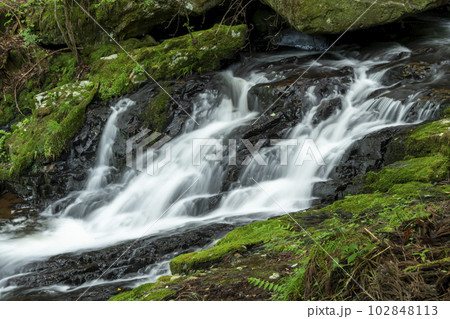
(155,114)
(134,294)
(158,295)
(26,99)
(146,292)
(44,135)
(423,169)
(358,204)
(413,190)
(95,52)
(173,58)
(7,109)
(239,239)
(430,139)
(442,264)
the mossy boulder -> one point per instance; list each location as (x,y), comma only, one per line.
(197,52)
(238,240)
(43,136)
(423,169)
(333,17)
(430,139)
(428,158)
(122,18)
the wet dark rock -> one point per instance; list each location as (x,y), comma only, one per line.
(326,109)
(76,269)
(371,153)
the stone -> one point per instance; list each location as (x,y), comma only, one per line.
(334,17)
(122,19)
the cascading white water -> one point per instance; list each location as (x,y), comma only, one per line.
(143,204)
(96,178)
(96,186)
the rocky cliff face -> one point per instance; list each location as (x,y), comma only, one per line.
(332,17)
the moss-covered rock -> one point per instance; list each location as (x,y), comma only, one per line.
(238,240)
(423,169)
(57,117)
(173,58)
(155,114)
(430,139)
(122,18)
(332,17)
(428,158)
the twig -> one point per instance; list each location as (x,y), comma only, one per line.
(371,234)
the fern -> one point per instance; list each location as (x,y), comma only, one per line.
(266,285)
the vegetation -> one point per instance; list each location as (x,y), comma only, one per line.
(238,240)
(201,51)
(42,136)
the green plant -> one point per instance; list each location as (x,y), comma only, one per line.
(28,37)
(3,152)
(423,254)
(138,70)
(189,27)
(266,285)
(52,95)
(350,252)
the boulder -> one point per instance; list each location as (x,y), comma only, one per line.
(59,114)
(122,19)
(333,17)
(174,58)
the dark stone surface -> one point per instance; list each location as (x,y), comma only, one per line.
(135,257)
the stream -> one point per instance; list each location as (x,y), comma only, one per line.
(189,202)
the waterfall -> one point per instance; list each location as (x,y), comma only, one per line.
(103,166)
(105,213)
